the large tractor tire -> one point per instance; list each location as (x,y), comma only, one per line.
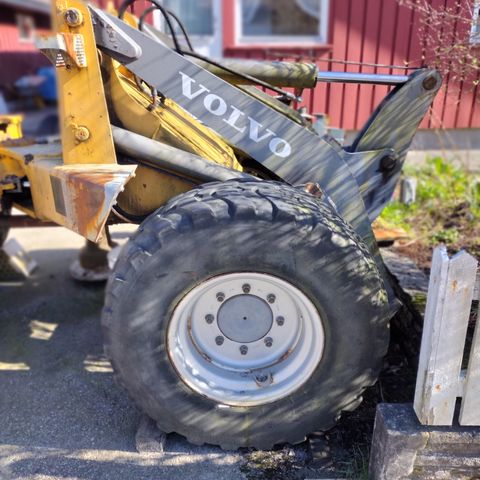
(245,314)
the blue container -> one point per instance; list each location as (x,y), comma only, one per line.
(48,89)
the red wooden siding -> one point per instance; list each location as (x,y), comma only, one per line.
(370,31)
(366,31)
(18,57)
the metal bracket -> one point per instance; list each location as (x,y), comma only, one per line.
(64,50)
(376,174)
(111,39)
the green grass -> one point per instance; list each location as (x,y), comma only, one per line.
(447,209)
(357,467)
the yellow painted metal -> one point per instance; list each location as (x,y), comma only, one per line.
(10,127)
(84,120)
(167,123)
(76,183)
(77,196)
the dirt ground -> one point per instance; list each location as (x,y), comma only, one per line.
(63,416)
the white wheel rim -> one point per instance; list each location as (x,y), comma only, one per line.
(245,339)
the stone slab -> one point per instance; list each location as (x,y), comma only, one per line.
(403,449)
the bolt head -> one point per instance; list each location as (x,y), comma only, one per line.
(261,378)
(82,134)
(243,349)
(209,318)
(73,17)
(430,83)
(388,163)
(280,320)
(246,288)
(271,298)
(314,189)
(220,296)
(268,342)
(219,340)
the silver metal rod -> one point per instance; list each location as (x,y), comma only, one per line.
(371,78)
(172,159)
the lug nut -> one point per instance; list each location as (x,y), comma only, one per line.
(271,298)
(220,296)
(243,349)
(246,288)
(280,321)
(261,378)
(268,341)
(209,318)
(219,340)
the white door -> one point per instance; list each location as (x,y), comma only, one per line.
(202,20)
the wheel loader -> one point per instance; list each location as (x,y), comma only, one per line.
(251,307)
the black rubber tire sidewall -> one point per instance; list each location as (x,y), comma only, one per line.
(191,242)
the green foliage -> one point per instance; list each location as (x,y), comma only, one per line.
(447,205)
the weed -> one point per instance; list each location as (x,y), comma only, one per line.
(357,467)
(447,209)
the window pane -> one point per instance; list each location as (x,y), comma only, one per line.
(280,17)
(197,16)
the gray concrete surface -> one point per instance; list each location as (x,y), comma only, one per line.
(61,414)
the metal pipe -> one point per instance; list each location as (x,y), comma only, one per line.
(279,74)
(172,159)
(370,78)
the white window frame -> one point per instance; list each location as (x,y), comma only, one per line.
(290,40)
(19,17)
(215,41)
(475,30)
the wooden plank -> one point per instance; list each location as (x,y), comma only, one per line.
(470,409)
(371,42)
(447,312)
(388,32)
(354,53)
(340,45)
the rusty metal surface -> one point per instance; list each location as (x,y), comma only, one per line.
(78,197)
(89,192)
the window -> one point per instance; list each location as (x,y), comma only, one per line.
(286,21)
(26,27)
(475,31)
(197,16)
(202,20)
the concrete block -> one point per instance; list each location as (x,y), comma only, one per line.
(149,439)
(403,449)
(396,441)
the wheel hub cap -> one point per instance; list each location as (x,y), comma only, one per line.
(245,318)
(245,339)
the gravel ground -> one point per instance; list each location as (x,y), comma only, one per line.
(62,415)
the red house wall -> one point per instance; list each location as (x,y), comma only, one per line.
(17,57)
(367,31)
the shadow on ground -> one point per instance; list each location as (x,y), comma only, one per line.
(63,416)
